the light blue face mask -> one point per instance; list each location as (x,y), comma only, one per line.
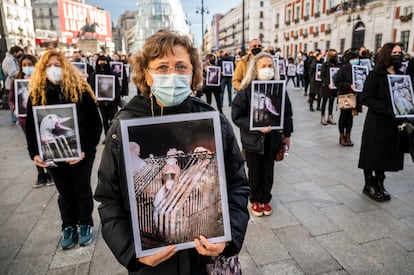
(171,89)
(354,61)
(28,70)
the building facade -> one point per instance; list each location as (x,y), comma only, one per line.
(305,25)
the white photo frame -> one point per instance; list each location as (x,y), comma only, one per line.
(92,62)
(402,97)
(228,68)
(81,67)
(105,87)
(213,76)
(169,160)
(291,70)
(21,96)
(57,132)
(366,62)
(118,68)
(404,66)
(332,72)
(318,69)
(359,75)
(267,106)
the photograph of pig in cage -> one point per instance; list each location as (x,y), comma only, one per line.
(267,104)
(57,132)
(176,184)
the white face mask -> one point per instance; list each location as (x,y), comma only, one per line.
(54,74)
(266,74)
(171,89)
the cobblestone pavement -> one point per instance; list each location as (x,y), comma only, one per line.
(321,222)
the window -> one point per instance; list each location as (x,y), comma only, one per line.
(261,3)
(331,4)
(318,6)
(261,25)
(50,12)
(405,36)
(378,40)
(407,10)
(342,45)
(315,46)
(297,13)
(289,16)
(305,47)
(307,9)
(261,14)
(328,44)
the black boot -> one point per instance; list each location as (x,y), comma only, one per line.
(380,182)
(371,189)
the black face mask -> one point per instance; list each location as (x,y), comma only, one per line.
(255,51)
(396,61)
(102,68)
(333,59)
(77,60)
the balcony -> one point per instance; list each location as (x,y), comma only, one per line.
(305,34)
(328,31)
(406,18)
(296,20)
(317,14)
(306,17)
(287,23)
(276,26)
(316,33)
(287,37)
(295,36)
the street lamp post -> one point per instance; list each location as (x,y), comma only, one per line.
(243,47)
(202,10)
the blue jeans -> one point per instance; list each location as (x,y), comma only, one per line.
(226,81)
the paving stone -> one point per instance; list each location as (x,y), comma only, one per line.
(316,195)
(352,257)
(393,256)
(5,212)
(409,221)
(287,193)
(397,208)
(28,266)
(355,225)
(311,218)
(262,244)
(308,254)
(14,194)
(351,199)
(395,229)
(37,199)
(16,229)
(281,217)
(248,266)
(284,267)
(78,269)
(7,255)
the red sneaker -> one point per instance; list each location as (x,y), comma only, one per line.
(267,209)
(257,209)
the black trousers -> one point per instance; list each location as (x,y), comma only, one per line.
(75,200)
(107,113)
(216,91)
(330,101)
(345,121)
(260,176)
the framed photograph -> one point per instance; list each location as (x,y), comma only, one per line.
(176,180)
(340,58)
(228,68)
(291,70)
(57,132)
(213,76)
(404,66)
(105,87)
(332,72)
(281,66)
(21,96)
(118,68)
(267,104)
(318,69)
(92,62)
(359,75)
(127,70)
(81,67)
(366,62)
(401,90)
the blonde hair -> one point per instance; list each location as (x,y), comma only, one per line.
(72,84)
(251,72)
(159,45)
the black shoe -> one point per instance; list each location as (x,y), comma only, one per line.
(380,182)
(41,181)
(371,189)
(311,108)
(49,179)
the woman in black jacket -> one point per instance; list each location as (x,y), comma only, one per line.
(343,81)
(379,146)
(260,146)
(56,81)
(328,91)
(166,55)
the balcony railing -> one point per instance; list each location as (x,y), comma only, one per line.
(406,18)
(328,31)
(287,23)
(316,33)
(306,17)
(317,14)
(296,20)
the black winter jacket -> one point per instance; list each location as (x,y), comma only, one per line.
(253,141)
(112,191)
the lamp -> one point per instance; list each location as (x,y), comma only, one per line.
(202,10)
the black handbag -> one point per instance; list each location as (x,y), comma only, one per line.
(406,138)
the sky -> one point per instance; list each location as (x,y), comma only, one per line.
(118,7)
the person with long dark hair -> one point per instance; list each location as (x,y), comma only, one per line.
(379,146)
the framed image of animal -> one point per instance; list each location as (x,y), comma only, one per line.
(57,132)
(176,180)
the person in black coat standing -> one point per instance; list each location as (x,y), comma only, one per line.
(379,146)
(328,91)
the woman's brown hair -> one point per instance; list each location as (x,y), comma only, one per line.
(159,45)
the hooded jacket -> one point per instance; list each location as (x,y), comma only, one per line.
(112,191)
